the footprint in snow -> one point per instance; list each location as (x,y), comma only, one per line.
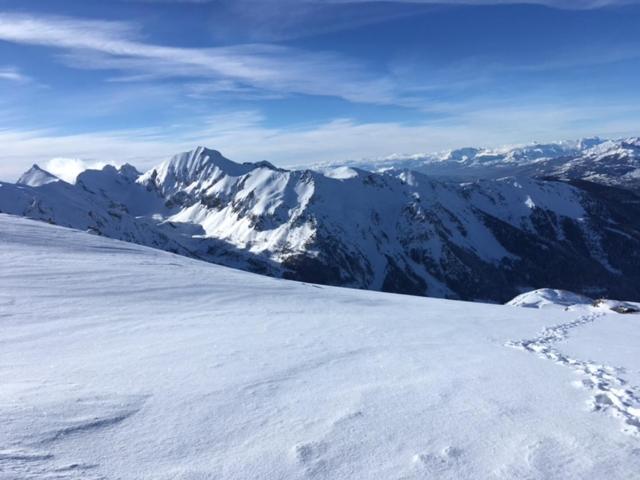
(446,459)
(310,455)
(610,392)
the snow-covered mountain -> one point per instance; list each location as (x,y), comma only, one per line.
(610,162)
(397,231)
(120,362)
(36,177)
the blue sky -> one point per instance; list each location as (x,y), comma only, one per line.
(300,82)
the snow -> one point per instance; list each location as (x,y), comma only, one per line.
(551,298)
(123,362)
(341,173)
(611,391)
(616,305)
(606,340)
(547,297)
(529,202)
(191,170)
(36,176)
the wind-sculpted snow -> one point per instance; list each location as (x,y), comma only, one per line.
(398,231)
(34,430)
(120,362)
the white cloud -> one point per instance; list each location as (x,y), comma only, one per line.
(13,74)
(68,169)
(93,44)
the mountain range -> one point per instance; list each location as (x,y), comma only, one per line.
(470,224)
(613,162)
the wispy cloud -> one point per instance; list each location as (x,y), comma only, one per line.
(244,136)
(13,74)
(111,45)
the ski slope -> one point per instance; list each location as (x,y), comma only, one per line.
(122,362)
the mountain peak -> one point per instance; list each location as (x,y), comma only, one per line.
(36,177)
(129,171)
(198,166)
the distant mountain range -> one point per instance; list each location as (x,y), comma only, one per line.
(469,224)
(612,162)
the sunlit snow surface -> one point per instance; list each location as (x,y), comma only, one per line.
(122,362)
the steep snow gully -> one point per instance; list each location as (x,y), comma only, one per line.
(610,391)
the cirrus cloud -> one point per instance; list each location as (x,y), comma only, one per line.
(13,74)
(113,45)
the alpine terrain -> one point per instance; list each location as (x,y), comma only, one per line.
(566,216)
(218,263)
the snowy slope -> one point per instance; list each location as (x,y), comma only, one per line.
(123,362)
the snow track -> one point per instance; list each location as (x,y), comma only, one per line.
(610,391)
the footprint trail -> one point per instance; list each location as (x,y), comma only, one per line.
(610,392)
